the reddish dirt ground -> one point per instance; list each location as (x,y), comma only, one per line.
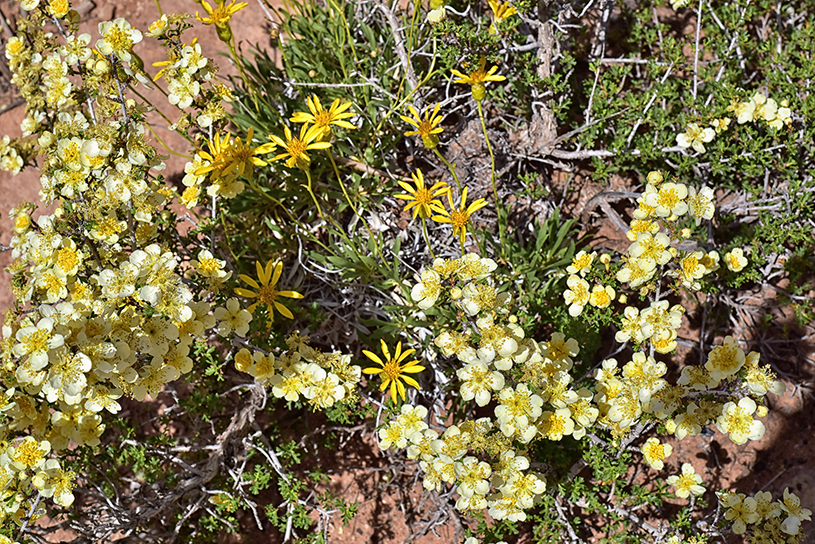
(785,457)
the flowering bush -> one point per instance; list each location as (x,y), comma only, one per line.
(178,382)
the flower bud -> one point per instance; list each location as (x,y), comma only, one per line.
(479,91)
(455,293)
(762,411)
(224,32)
(101,67)
(685,233)
(431,141)
(655,178)
(136,62)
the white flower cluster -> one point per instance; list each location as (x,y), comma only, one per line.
(526,382)
(762,519)
(321,378)
(758,108)
(186,71)
(761,108)
(109,305)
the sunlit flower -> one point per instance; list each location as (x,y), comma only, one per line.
(477,78)
(220,17)
(266,292)
(500,12)
(737,420)
(687,483)
(296,147)
(322,119)
(654,452)
(735,259)
(216,158)
(460,217)
(421,198)
(393,370)
(426,127)
(241,157)
(695,137)
(577,295)
(118,38)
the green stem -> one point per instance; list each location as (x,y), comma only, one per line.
(158,5)
(311,192)
(342,185)
(348,198)
(499,209)
(165,146)
(427,238)
(239,64)
(489,148)
(449,166)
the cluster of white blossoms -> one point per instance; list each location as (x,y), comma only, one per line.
(639,389)
(188,73)
(761,108)
(758,108)
(322,379)
(530,390)
(109,300)
(764,521)
(527,383)
(10,159)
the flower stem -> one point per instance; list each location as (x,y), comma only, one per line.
(499,209)
(348,198)
(342,185)
(158,5)
(449,166)
(239,64)
(489,148)
(311,192)
(427,238)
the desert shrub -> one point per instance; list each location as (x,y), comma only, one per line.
(388,235)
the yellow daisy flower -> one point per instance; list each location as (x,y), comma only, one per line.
(477,78)
(460,217)
(266,290)
(422,199)
(323,119)
(393,370)
(220,16)
(217,156)
(425,127)
(296,147)
(241,155)
(500,12)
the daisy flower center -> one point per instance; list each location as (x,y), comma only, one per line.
(322,118)
(459,219)
(296,148)
(267,294)
(392,370)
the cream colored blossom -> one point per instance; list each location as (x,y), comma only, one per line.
(735,259)
(696,137)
